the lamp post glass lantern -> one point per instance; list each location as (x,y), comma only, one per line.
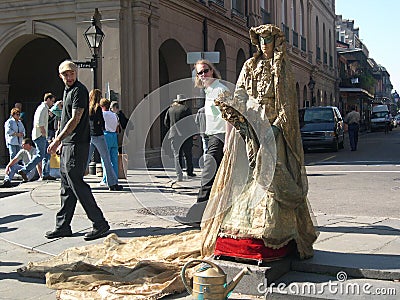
(94,38)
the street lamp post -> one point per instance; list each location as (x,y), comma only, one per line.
(311,85)
(94,38)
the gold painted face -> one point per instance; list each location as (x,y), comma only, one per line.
(267,45)
(266,40)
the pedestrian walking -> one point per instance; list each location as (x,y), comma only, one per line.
(111,125)
(98,141)
(352,120)
(73,142)
(388,122)
(123,120)
(14,132)
(208,77)
(180,122)
(123,123)
(39,137)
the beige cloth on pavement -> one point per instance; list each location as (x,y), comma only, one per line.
(139,268)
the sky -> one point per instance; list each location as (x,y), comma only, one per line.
(379,31)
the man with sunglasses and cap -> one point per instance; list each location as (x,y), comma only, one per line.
(208,77)
(73,143)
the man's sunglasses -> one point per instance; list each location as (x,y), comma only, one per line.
(205,71)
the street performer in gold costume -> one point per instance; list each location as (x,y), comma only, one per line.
(257,209)
(269,213)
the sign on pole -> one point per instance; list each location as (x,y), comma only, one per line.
(192,57)
(84,64)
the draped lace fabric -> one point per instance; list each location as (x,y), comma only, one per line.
(139,268)
(260,190)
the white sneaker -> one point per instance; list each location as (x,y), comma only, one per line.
(102,183)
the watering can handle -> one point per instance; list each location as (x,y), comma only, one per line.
(183,272)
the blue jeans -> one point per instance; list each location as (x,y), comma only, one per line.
(100,143)
(41,155)
(15,168)
(112,145)
(13,150)
(353,135)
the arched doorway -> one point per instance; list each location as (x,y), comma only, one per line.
(240,59)
(30,69)
(172,67)
(221,66)
(34,72)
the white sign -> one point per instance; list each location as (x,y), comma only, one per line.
(192,57)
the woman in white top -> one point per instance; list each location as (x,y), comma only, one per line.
(110,134)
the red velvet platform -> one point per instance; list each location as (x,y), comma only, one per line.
(248,248)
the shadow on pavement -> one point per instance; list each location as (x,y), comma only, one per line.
(379,230)
(15,218)
(7,229)
(149,231)
(4,194)
(358,265)
(16,276)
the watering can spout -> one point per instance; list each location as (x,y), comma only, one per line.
(235,281)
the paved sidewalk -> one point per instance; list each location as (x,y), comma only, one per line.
(362,247)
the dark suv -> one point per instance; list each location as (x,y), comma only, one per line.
(321,127)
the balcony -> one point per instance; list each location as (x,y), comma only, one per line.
(219,2)
(359,81)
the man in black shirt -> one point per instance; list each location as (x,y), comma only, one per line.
(75,137)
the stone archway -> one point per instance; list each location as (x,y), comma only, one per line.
(221,66)
(240,60)
(172,67)
(29,58)
(33,72)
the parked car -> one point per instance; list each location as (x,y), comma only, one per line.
(397,118)
(321,127)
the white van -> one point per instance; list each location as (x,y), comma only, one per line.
(378,117)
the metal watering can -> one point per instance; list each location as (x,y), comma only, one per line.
(209,282)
